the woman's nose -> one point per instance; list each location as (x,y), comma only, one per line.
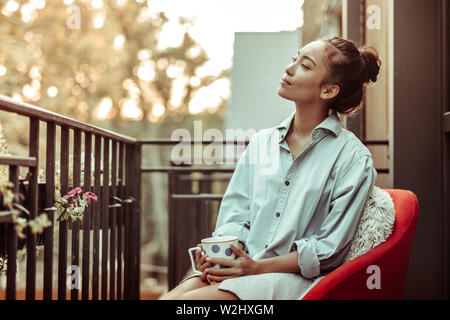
(289,70)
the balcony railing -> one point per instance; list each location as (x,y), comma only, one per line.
(114,220)
(190,217)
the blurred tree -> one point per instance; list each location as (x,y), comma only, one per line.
(101,62)
(108,66)
(332,21)
(313,16)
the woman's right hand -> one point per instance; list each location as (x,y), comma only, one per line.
(201,262)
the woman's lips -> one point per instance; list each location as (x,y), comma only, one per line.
(284,82)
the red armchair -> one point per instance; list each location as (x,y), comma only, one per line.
(349,281)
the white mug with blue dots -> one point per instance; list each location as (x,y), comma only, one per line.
(215,247)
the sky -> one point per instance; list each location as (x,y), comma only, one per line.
(214,25)
(216,21)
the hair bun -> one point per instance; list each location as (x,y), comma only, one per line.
(371,62)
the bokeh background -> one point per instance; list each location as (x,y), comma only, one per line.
(145,68)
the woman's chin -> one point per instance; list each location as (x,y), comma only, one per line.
(282,94)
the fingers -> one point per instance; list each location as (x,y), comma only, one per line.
(237,251)
(202,264)
(204,276)
(212,278)
(198,256)
(221,272)
(198,253)
(222,261)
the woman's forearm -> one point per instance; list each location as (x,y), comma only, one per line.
(285,263)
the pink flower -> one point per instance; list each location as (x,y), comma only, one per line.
(69,195)
(77,191)
(73,193)
(91,195)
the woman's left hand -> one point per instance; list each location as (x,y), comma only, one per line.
(243,265)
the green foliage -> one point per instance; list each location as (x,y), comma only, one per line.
(73,204)
(85,65)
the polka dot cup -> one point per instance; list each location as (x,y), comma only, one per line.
(217,247)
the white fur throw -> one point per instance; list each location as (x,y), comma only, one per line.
(376,224)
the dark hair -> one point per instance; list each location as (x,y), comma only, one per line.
(350,67)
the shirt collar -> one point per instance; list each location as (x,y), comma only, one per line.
(331,123)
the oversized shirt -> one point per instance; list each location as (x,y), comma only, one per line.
(313,204)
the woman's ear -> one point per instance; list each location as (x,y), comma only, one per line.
(329,91)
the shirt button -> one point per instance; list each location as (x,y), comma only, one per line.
(278,214)
(287,183)
(266,246)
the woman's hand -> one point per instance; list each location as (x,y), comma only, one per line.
(241,266)
(201,262)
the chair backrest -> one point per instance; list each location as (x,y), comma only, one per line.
(388,261)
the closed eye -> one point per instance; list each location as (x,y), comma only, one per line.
(303,65)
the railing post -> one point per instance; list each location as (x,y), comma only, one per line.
(112,224)
(128,251)
(138,216)
(33,207)
(87,224)
(105,218)
(12,243)
(132,219)
(172,236)
(120,223)
(63,228)
(205,212)
(96,218)
(49,201)
(75,260)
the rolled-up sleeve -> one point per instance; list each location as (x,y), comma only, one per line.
(234,212)
(324,251)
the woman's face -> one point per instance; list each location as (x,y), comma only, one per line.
(302,78)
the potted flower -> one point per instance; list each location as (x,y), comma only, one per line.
(73,204)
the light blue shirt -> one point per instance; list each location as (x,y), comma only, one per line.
(312,204)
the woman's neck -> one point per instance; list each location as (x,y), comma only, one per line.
(307,118)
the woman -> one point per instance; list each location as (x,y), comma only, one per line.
(297,194)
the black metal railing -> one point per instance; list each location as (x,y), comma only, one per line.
(190,217)
(115,217)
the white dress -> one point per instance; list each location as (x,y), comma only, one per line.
(268,286)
